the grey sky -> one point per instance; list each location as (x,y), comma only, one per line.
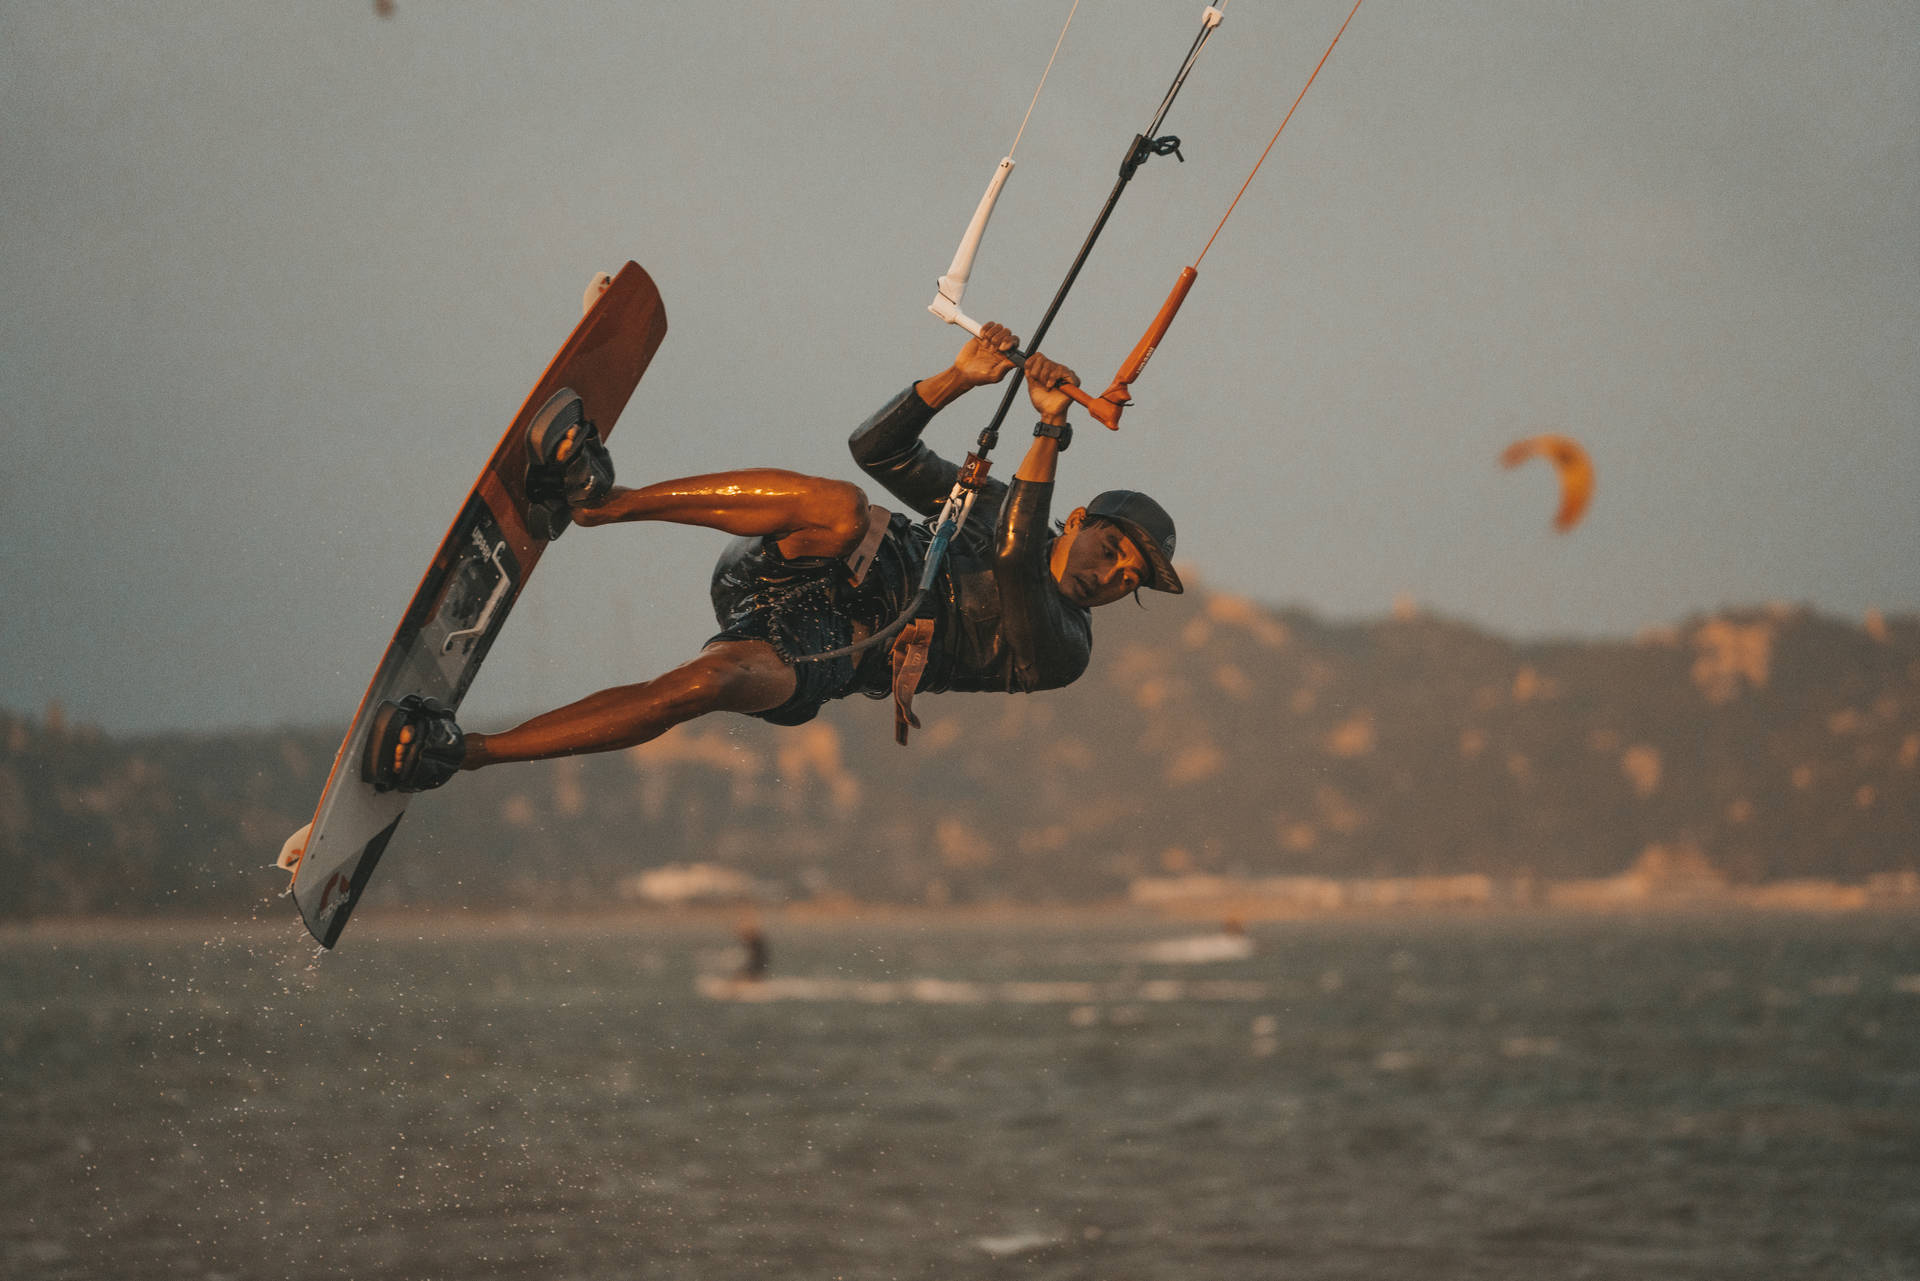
(279,274)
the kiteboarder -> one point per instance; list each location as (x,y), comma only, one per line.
(815,568)
(753,964)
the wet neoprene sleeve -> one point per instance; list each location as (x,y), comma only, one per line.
(1033,638)
(888,448)
(1050,639)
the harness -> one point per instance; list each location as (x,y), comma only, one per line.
(912,646)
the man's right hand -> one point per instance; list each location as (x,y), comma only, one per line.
(980,361)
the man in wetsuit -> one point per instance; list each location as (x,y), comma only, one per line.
(814,568)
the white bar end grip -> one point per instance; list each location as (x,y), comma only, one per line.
(946,306)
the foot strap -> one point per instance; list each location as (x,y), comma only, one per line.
(414,745)
(910,650)
(568,466)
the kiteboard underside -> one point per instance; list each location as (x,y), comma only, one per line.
(464,599)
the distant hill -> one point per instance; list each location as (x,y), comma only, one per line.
(1212,735)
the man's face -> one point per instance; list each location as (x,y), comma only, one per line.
(1101,565)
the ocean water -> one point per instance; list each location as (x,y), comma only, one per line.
(1538,1096)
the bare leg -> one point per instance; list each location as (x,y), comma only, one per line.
(804,515)
(728,676)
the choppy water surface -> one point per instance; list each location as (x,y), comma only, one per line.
(1460,1098)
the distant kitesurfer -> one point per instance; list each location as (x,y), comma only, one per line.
(814,568)
(753,964)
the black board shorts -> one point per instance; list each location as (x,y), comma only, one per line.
(794,606)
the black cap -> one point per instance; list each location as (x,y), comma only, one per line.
(1148,525)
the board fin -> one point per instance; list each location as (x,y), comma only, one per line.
(595,287)
(295,846)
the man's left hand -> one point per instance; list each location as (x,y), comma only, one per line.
(1044,380)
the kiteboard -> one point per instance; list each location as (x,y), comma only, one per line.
(469,588)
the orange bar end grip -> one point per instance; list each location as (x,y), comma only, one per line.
(1120,392)
(1105,411)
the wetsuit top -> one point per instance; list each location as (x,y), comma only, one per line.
(1000,622)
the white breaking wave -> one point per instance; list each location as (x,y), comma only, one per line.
(1201,949)
(937,991)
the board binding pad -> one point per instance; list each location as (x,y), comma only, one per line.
(464,599)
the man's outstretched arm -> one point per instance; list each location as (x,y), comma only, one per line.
(888,447)
(1047,637)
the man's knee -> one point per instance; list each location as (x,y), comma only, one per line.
(844,511)
(736,676)
(836,520)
